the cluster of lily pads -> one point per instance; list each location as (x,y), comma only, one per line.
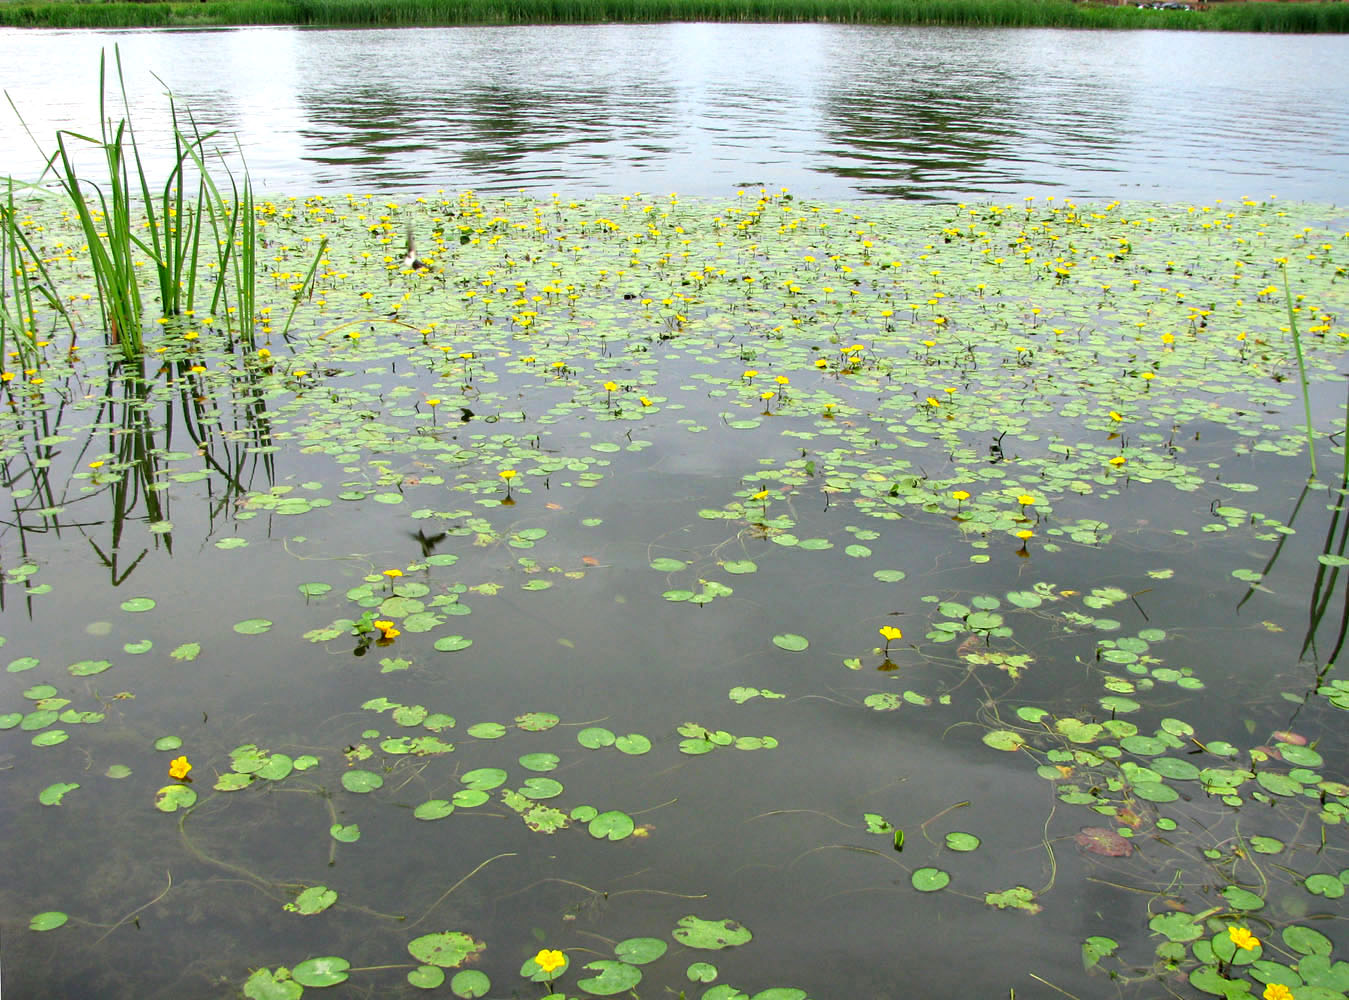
(1009,377)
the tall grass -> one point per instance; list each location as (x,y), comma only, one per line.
(1267,17)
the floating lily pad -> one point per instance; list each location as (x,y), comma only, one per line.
(327,971)
(252,626)
(446,950)
(426,977)
(470,983)
(361,782)
(613,977)
(48,920)
(633,744)
(791,641)
(930,879)
(958,841)
(712,935)
(595,737)
(52,794)
(171,798)
(640,951)
(611,825)
(138,604)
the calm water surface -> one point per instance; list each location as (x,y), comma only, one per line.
(829,111)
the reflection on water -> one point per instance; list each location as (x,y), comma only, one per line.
(829,111)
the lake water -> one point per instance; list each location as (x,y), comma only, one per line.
(703,109)
(1059,450)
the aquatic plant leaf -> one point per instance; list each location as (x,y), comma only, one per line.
(1176,926)
(118,771)
(780,993)
(533,971)
(87,668)
(1003,739)
(595,737)
(21,664)
(361,782)
(611,825)
(1242,899)
(1096,948)
(484,778)
(725,992)
(52,794)
(1265,845)
(48,920)
(469,983)
(536,722)
(701,972)
(958,841)
(884,701)
(633,744)
(252,626)
(710,935)
(278,766)
(347,834)
(541,788)
(266,985)
(1016,898)
(740,566)
(426,977)
(1318,885)
(313,900)
(1278,784)
(540,761)
(640,951)
(930,879)
(314,589)
(446,950)
(327,971)
(667,565)
(791,641)
(135,605)
(487,730)
(434,809)
(468,798)
(1100,840)
(168,743)
(171,798)
(452,643)
(889,575)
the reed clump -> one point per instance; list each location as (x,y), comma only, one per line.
(1329,17)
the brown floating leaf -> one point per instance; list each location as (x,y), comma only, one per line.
(1099,840)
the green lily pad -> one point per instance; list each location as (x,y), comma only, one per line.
(48,920)
(484,778)
(313,900)
(611,825)
(711,935)
(958,841)
(252,626)
(348,834)
(595,737)
(536,722)
(633,744)
(640,951)
(426,977)
(470,983)
(52,794)
(266,985)
(171,798)
(701,972)
(327,971)
(138,604)
(930,879)
(452,643)
(446,950)
(434,809)
(614,977)
(791,641)
(361,782)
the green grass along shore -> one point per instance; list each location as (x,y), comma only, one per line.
(1331,17)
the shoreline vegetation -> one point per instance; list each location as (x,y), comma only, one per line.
(1285,17)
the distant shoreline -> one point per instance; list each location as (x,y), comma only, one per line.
(1280,17)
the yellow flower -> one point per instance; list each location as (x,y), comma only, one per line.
(1168,338)
(782,380)
(1025,499)
(760,495)
(1243,938)
(1025,535)
(821,363)
(1117,461)
(197,369)
(889,633)
(550,961)
(933,401)
(1115,416)
(433,402)
(611,387)
(263,353)
(387,631)
(644,401)
(1277,991)
(1148,376)
(960,495)
(178,768)
(507,474)
(6,376)
(749,373)
(95,465)
(393,573)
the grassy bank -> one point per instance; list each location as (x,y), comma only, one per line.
(1264,17)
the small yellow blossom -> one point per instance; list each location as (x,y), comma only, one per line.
(1243,938)
(96,465)
(1277,991)
(644,401)
(507,474)
(433,402)
(749,373)
(960,495)
(611,387)
(1025,535)
(1115,416)
(1117,461)
(393,573)
(889,633)
(178,768)
(1025,499)
(550,961)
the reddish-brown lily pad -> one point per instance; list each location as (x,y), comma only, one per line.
(1100,840)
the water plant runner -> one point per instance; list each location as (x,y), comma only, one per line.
(748,598)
